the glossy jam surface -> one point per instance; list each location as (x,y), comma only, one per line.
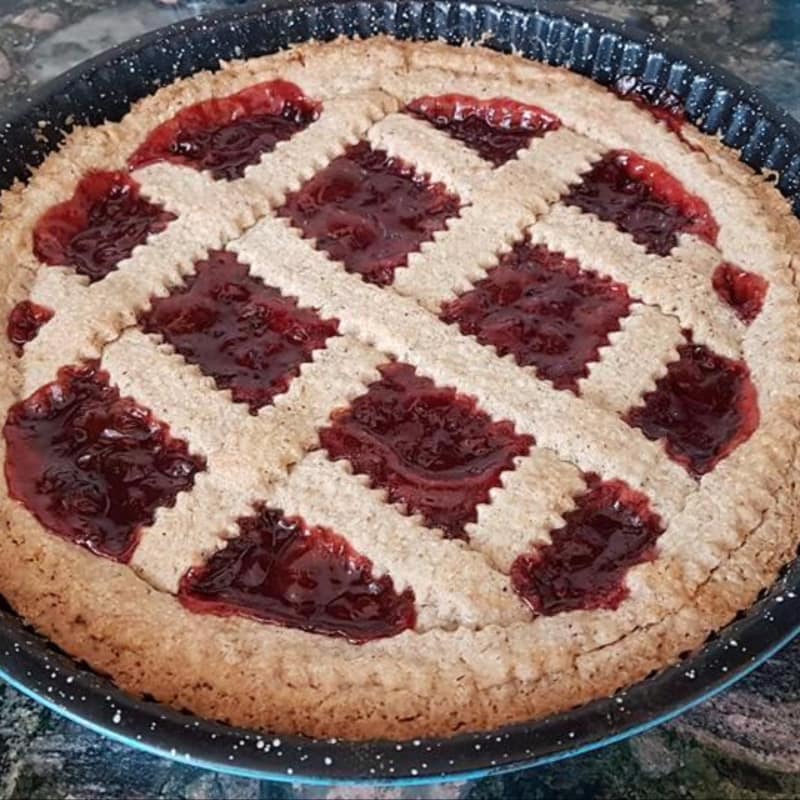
(743,291)
(246,335)
(99,226)
(610,530)
(704,407)
(641,198)
(24,322)
(496,129)
(91,466)
(664,105)
(545,310)
(370,211)
(280,571)
(432,449)
(226,135)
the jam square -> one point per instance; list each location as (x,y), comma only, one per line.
(543,309)
(644,200)
(369,211)
(92,466)
(496,129)
(432,449)
(244,334)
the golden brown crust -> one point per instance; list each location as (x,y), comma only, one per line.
(476,660)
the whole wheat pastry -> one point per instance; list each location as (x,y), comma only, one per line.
(389,389)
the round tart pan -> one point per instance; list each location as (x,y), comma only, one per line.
(105,87)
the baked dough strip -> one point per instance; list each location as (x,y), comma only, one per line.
(504,202)
(636,357)
(590,437)
(432,152)
(526,507)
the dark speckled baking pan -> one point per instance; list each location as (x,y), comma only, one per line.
(105,87)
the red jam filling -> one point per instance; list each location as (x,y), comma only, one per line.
(280,571)
(432,449)
(610,530)
(704,407)
(227,135)
(99,226)
(743,291)
(370,211)
(92,466)
(246,335)
(496,129)
(641,198)
(664,105)
(545,310)
(24,322)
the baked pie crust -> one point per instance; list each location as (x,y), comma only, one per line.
(488,611)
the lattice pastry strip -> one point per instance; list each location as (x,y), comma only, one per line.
(453,585)
(244,453)
(766,335)
(594,439)
(503,202)
(717,510)
(636,357)
(432,152)
(184,191)
(529,504)
(679,284)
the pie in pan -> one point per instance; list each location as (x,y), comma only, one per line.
(379,389)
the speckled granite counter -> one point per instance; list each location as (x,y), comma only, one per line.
(744,744)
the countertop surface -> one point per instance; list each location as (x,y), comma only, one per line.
(742,744)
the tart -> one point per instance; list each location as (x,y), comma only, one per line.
(380,389)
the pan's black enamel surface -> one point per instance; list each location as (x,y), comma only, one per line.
(105,88)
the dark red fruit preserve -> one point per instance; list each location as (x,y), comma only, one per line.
(641,198)
(545,310)
(610,530)
(743,291)
(370,211)
(99,226)
(24,322)
(496,129)
(246,335)
(279,570)
(432,449)
(664,105)
(92,466)
(226,135)
(704,407)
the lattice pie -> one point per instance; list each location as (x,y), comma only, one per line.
(380,389)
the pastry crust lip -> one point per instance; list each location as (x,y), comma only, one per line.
(477,662)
